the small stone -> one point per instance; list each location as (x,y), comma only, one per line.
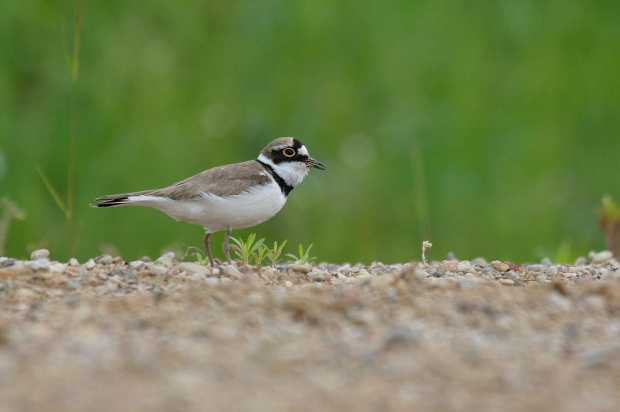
(479,262)
(490,272)
(570,275)
(463,266)
(166,259)
(232,272)
(552,270)
(542,278)
(57,268)
(104,259)
(137,264)
(299,268)
(600,257)
(7,262)
(73,262)
(40,254)
(39,264)
(507,282)
(499,266)
(546,261)
(288,283)
(420,274)
(191,268)
(102,276)
(315,275)
(536,268)
(90,264)
(158,271)
(447,266)
(512,275)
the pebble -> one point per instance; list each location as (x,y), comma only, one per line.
(73,262)
(600,257)
(232,272)
(57,268)
(512,275)
(288,283)
(158,270)
(542,278)
(463,266)
(536,268)
(90,264)
(104,259)
(479,262)
(490,272)
(165,260)
(137,264)
(39,264)
(552,270)
(191,268)
(499,266)
(40,254)
(299,268)
(447,266)
(102,276)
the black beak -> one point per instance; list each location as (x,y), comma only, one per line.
(315,163)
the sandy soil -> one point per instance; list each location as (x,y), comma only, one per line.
(110,335)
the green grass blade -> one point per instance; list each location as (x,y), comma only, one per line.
(50,188)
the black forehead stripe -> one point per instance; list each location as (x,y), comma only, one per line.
(297,144)
(285,187)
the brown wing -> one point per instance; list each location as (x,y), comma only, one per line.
(222,181)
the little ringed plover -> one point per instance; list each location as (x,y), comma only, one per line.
(232,196)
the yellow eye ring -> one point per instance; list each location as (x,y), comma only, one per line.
(289,152)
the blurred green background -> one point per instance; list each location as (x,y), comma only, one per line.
(488,127)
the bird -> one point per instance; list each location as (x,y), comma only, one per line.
(232,196)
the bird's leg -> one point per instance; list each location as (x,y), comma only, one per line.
(205,241)
(225,245)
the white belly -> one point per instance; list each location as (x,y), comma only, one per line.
(219,213)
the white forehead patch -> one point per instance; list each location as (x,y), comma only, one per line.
(303,151)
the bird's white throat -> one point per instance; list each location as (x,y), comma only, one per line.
(292,173)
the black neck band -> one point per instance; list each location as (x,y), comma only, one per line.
(285,187)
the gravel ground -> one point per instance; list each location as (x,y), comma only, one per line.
(110,335)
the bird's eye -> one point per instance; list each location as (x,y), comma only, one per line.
(289,152)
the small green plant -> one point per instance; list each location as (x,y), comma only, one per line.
(609,222)
(303,257)
(274,254)
(249,249)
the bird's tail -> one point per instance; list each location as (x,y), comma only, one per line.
(117,200)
